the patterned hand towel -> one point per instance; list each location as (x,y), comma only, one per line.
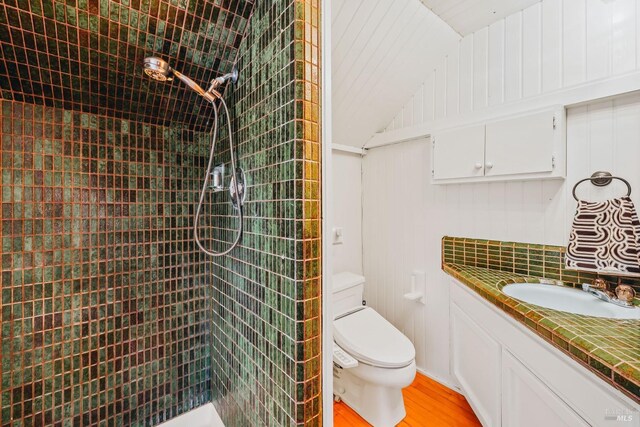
(605,237)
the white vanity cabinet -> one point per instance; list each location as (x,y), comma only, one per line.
(528,402)
(476,365)
(514,378)
(523,147)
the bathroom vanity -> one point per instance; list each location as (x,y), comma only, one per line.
(523,365)
(512,377)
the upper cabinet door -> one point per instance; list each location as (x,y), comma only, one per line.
(459,153)
(521,145)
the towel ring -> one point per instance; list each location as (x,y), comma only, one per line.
(601,179)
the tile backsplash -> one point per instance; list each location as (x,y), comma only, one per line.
(521,258)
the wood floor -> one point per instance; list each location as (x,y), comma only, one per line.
(427,402)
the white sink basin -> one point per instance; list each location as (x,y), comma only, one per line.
(568,299)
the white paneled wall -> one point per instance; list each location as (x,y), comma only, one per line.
(548,47)
(375,65)
(347,211)
(551,45)
(394,232)
(405,216)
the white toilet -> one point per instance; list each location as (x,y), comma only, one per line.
(373,361)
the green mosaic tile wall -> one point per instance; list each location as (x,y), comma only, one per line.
(113,317)
(521,258)
(105,300)
(86,55)
(266,297)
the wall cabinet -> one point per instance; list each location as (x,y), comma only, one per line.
(524,147)
(460,153)
(513,378)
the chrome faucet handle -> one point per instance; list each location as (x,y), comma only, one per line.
(600,284)
(625,293)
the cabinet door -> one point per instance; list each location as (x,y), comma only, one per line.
(458,153)
(476,366)
(528,402)
(520,145)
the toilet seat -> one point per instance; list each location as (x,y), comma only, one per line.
(371,339)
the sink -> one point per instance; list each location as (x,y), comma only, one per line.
(569,300)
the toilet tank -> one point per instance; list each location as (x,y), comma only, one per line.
(347,292)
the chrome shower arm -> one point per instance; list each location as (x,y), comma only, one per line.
(219,81)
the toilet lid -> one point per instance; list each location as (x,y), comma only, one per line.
(371,339)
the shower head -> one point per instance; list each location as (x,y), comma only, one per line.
(158,69)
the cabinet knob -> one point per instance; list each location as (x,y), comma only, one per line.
(488,165)
(478,165)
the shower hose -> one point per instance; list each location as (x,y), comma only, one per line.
(234,182)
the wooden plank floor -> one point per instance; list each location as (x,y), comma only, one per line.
(428,403)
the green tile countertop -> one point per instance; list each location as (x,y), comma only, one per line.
(608,347)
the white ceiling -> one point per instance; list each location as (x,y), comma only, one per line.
(381,52)
(467,16)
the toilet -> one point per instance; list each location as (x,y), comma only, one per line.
(373,361)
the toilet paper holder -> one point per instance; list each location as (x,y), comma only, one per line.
(418,287)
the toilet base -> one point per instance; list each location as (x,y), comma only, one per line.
(379,402)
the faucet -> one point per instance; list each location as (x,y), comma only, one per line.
(622,296)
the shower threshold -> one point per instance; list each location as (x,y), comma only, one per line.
(202,416)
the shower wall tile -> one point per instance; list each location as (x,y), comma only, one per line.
(105,301)
(266,362)
(86,55)
(112,315)
(307,60)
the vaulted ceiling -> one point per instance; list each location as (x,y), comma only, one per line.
(381,51)
(467,16)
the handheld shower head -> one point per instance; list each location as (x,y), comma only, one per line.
(158,69)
